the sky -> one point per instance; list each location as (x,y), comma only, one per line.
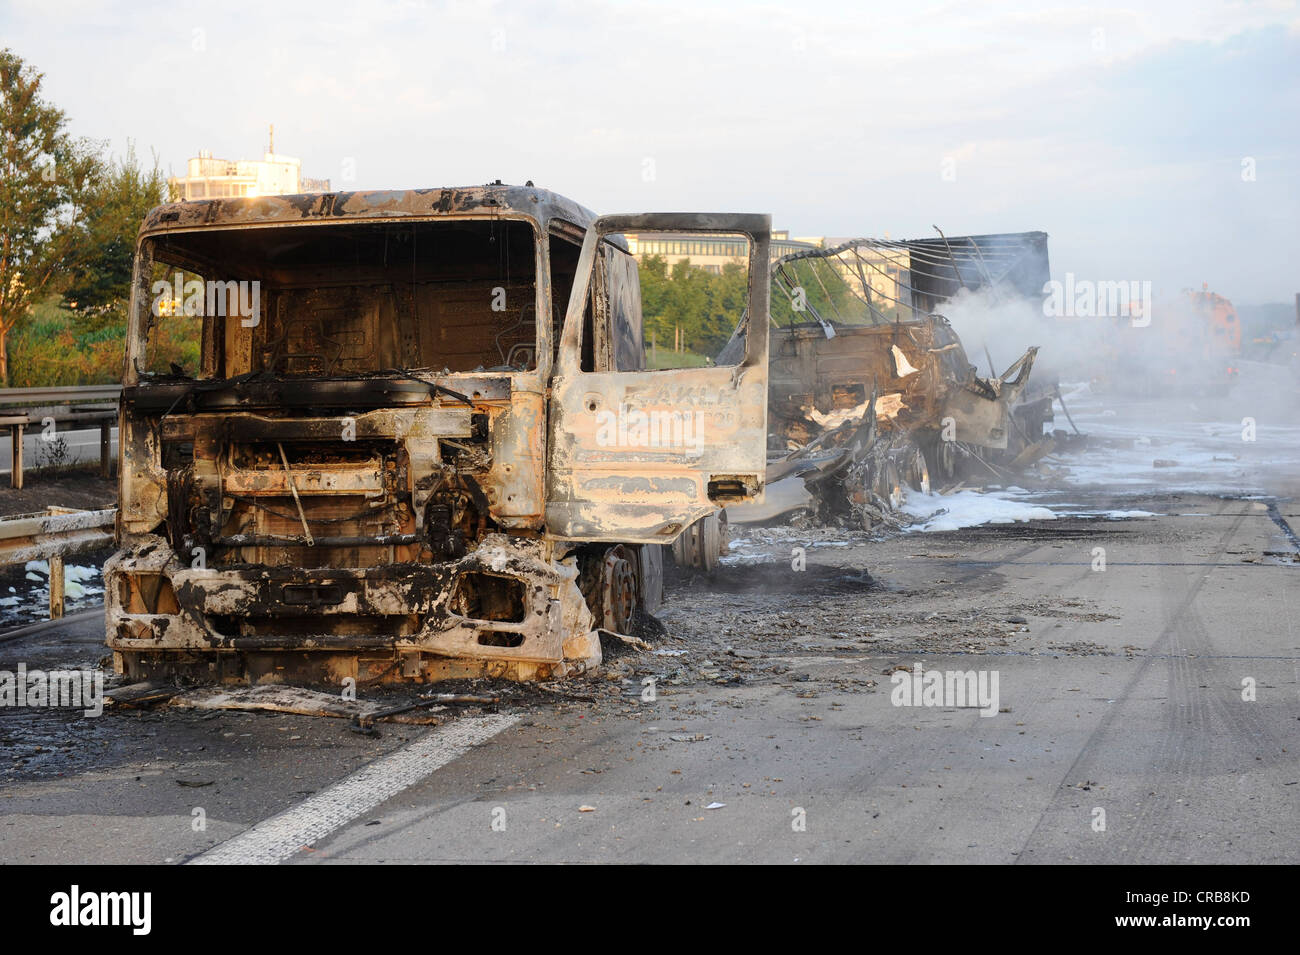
(1152,141)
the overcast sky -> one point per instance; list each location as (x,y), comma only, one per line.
(1122,130)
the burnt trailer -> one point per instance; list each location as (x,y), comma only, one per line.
(871,390)
(922,380)
(385,436)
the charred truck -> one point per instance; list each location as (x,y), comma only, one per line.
(407,436)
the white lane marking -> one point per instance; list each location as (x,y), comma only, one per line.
(311,820)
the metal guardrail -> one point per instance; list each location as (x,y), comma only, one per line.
(54,533)
(60,395)
(20,406)
(57,532)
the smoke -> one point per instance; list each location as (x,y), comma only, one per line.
(1112,334)
(1002,324)
(1167,384)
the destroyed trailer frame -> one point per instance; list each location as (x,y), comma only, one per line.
(499,530)
(824,372)
(859,411)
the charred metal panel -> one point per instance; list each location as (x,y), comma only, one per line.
(159,603)
(622,299)
(142,483)
(514,485)
(640,455)
(538,204)
(633,454)
(984,419)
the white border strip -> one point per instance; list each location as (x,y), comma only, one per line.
(276,839)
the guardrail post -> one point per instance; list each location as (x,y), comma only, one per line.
(105,444)
(56,586)
(16,476)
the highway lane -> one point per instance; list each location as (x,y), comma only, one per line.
(1121,692)
(78,445)
(1140,749)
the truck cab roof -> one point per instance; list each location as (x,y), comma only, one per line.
(539,205)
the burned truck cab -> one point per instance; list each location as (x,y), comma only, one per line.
(384,436)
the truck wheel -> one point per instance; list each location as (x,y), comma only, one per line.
(608,581)
(886,485)
(620,592)
(650,574)
(942,460)
(702,544)
(918,472)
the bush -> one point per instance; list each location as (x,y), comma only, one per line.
(59,346)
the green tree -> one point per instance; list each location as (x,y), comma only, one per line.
(44,175)
(704,306)
(100,268)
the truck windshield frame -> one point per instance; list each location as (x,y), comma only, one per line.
(244,293)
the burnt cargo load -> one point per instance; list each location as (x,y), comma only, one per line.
(871,389)
(405,436)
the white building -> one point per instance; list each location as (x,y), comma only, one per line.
(273,175)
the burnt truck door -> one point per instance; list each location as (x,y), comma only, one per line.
(637,455)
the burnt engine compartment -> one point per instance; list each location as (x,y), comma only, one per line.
(306,503)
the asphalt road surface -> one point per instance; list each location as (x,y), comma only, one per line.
(77,446)
(1145,712)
